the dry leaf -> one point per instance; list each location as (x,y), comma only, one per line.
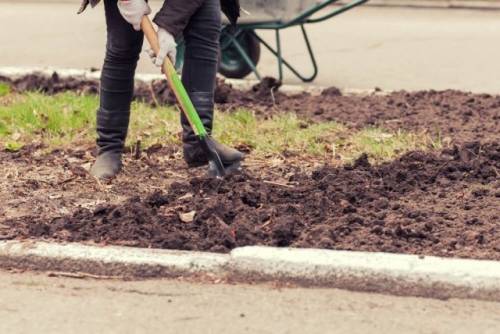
(188,195)
(187,217)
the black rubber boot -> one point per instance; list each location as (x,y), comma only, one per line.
(112,127)
(193,152)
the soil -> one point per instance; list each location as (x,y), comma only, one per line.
(443,202)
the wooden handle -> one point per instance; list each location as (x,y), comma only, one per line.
(168,68)
(150,33)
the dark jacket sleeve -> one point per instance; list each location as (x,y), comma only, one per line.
(174,15)
(232,10)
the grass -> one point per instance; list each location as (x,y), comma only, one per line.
(65,118)
(282,133)
(53,120)
(384,146)
(4,89)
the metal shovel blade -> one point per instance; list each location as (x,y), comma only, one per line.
(215,166)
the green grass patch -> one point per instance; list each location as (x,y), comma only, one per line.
(4,89)
(283,133)
(59,120)
(381,145)
(153,125)
(55,120)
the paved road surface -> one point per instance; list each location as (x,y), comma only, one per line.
(367,47)
(36,303)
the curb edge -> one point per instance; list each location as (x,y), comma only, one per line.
(395,274)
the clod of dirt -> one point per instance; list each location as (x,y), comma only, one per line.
(331,91)
(266,86)
(362,161)
(52,84)
(222,92)
(156,93)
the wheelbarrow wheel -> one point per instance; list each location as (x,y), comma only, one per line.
(232,64)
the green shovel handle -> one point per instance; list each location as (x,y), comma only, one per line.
(174,81)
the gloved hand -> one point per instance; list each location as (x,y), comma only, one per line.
(168,47)
(133,11)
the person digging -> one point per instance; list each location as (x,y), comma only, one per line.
(200,23)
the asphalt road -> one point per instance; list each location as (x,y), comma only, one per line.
(364,48)
(390,48)
(36,303)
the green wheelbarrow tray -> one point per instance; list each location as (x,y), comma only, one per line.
(240,46)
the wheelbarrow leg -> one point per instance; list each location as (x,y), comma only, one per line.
(281,61)
(244,55)
(280,58)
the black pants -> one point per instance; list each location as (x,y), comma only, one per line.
(124,46)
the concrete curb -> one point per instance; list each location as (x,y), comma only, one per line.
(397,274)
(109,260)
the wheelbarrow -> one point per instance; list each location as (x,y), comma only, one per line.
(240,46)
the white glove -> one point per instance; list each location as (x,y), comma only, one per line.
(133,11)
(168,47)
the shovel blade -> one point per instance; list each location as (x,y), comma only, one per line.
(215,166)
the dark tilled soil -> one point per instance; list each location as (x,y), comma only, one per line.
(442,203)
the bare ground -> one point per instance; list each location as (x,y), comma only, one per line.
(442,203)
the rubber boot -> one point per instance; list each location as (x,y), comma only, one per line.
(112,127)
(193,152)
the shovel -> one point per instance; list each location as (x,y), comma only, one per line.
(215,166)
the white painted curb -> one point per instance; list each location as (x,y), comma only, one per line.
(109,260)
(397,274)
